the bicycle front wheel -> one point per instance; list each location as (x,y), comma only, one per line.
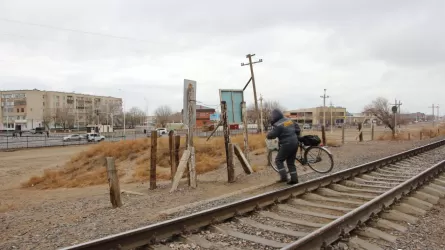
(271,159)
(319,159)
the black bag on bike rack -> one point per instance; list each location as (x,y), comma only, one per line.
(310,140)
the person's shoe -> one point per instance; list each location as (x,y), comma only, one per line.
(292,182)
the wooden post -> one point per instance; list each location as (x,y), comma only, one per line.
(360,133)
(154,147)
(421,134)
(409,136)
(191,128)
(171,147)
(113,182)
(192,169)
(177,145)
(245,131)
(230,167)
(372,131)
(323,135)
(227,141)
(343,134)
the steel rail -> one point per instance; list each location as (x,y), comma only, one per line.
(333,231)
(150,234)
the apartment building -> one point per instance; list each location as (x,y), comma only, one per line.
(27,109)
(314,116)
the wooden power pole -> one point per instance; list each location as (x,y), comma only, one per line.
(249,56)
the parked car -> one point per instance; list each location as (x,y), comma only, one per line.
(162,131)
(38,130)
(95,137)
(306,126)
(73,137)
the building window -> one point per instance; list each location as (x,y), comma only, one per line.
(43,103)
(23,110)
(18,110)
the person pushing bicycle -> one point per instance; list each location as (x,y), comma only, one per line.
(287,133)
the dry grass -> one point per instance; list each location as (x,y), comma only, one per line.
(88,167)
(428,132)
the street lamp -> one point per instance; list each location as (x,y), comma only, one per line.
(123,109)
(146,112)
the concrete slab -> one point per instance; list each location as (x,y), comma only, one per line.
(301,202)
(265,227)
(408,209)
(425,197)
(398,216)
(316,197)
(199,241)
(432,191)
(386,224)
(290,220)
(418,203)
(342,188)
(270,243)
(357,243)
(349,183)
(330,192)
(300,211)
(377,178)
(376,234)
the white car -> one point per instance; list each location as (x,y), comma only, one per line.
(74,137)
(95,137)
(162,131)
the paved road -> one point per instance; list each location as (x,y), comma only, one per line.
(34,141)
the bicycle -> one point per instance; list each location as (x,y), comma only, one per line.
(316,154)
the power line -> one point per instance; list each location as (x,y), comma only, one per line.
(75,30)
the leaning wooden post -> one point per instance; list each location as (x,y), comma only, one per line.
(323,135)
(409,136)
(343,134)
(113,182)
(372,131)
(191,128)
(154,146)
(421,134)
(226,139)
(245,131)
(171,147)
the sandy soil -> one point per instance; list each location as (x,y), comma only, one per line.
(48,219)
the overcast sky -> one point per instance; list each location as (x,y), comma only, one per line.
(357,50)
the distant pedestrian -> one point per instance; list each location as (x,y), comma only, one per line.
(47,133)
(20,133)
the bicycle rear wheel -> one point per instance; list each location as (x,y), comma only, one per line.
(319,159)
(271,159)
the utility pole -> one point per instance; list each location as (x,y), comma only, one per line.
(331,117)
(249,56)
(397,104)
(261,113)
(324,96)
(438,116)
(432,108)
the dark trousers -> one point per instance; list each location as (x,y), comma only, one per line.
(288,153)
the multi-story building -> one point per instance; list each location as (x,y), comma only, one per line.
(314,116)
(27,109)
(203,115)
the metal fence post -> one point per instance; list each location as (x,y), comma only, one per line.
(27,139)
(7,141)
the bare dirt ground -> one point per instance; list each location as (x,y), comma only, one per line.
(49,219)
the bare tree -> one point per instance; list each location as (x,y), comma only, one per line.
(381,109)
(268,106)
(135,116)
(64,117)
(163,114)
(47,117)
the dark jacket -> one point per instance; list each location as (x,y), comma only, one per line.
(285,129)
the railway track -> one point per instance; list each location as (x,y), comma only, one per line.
(361,207)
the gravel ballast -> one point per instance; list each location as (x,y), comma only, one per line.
(63,222)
